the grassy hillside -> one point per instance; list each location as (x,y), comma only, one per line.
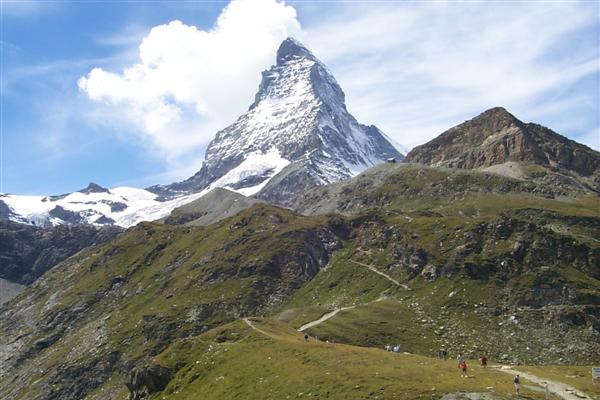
(430,259)
(237,362)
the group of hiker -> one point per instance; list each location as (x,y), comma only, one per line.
(462,366)
(393,349)
(443,354)
(318,339)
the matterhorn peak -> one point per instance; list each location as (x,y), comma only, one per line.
(290,48)
(296,135)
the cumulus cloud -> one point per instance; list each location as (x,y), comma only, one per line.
(190,82)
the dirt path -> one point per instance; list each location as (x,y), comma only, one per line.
(559,389)
(323,318)
(251,325)
(331,314)
(386,276)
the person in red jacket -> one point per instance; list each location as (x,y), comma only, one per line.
(463,369)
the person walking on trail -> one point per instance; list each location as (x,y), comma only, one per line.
(306,337)
(517,382)
(463,369)
(459,359)
(484,360)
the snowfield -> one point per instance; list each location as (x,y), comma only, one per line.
(127,206)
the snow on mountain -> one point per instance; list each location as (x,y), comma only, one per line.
(300,112)
(296,135)
(122,206)
(255,165)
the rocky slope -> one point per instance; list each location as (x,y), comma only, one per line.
(27,252)
(214,206)
(127,300)
(9,289)
(297,134)
(496,138)
(476,250)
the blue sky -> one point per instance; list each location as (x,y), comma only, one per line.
(118,93)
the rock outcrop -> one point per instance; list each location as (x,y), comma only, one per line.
(27,252)
(497,137)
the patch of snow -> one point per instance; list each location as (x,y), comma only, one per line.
(257,164)
(139,205)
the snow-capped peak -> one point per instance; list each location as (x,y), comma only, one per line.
(297,134)
(299,110)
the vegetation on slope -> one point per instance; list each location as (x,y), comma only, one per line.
(430,259)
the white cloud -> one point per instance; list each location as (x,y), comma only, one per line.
(413,69)
(189,82)
(416,69)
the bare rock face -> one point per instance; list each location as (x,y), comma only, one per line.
(27,252)
(144,381)
(296,135)
(497,137)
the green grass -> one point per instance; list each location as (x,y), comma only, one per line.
(255,366)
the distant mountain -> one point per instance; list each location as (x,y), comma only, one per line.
(296,135)
(94,205)
(497,138)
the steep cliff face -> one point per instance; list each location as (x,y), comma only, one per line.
(496,137)
(297,134)
(27,252)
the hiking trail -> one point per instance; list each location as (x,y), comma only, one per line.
(333,313)
(324,318)
(562,390)
(251,325)
(386,276)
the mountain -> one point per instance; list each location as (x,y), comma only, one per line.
(465,260)
(214,206)
(27,252)
(499,141)
(432,258)
(94,205)
(296,135)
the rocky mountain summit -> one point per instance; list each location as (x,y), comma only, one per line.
(497,140)
(296,135)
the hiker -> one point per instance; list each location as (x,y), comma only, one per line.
(460,359)
(517,382)
(484,360)
(463,369)
(306,337)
